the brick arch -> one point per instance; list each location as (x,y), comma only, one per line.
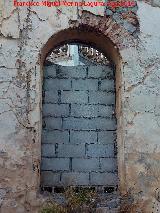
(102,32)
(114,30)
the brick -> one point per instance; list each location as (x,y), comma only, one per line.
(57,84)
(105,111)
(78,137)
(87,84)
(100,97)
(49,178)
(55,164)
(50,71)
(89,124)
(107,85)
(85,165)
(74,97)
(55,136)
(98,150)
(48,150)
(53,123)
(75,178)
(108,164)
(51,97)
(72,72)
(55,110)
(104,179)
(71,150)
(100,71)
(78,110)
(105,137)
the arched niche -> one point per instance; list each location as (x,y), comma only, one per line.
(90,36)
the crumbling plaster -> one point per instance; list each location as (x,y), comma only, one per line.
(24,33)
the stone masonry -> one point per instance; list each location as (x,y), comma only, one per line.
(79,126)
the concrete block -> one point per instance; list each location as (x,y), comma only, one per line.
(105,111)
(108,164)
(98,150)
(100,71)
(87,84)
(51,97)
(103,179)
(57,110)
(78,110)
(55,164)
(71,150)
(53,123)
(57,84)
(107,85)
(89,124)
(74,97)
(55,136)
(75,179)
(78,137)
(100,97)
(48,150)
(71,72)
(105,137)
(83,165)
(49,178)
(50,71)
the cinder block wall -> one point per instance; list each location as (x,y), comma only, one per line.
(78,137)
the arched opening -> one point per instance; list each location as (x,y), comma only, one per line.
(103,44)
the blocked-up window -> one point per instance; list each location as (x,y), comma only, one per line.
(79,125)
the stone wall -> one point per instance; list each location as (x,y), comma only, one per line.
(29,33)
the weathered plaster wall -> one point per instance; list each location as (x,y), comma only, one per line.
(141,109)
(24,32)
